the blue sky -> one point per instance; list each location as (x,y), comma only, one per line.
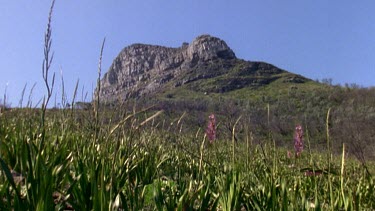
(318,39)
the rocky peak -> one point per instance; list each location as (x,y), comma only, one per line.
(206,47)
(140,69)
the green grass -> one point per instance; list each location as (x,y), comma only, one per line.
(212,89)
(147,167)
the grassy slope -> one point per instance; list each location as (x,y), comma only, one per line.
(238,82)
(290,103)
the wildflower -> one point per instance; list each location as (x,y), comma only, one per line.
(211,128)
(298,140)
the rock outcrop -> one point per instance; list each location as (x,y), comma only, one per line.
(141,70)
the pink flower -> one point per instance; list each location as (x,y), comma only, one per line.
(211,128)
(298,140)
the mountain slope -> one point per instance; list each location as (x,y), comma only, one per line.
(205,77)
(206,66)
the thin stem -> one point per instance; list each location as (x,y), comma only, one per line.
(48,57)
(329,159)
(97,104)
(234,140)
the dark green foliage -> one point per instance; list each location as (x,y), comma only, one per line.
(157,167)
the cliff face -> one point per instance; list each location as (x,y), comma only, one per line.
(141,69)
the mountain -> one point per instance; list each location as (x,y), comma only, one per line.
(261,101)
(205,66)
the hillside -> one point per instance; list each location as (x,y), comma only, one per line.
(206,67)
(206,77)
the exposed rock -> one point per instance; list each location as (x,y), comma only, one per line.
(142,69)
(205,48)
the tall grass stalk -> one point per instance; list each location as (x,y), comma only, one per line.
(234,141)
(329,158)
(342,174)
(29,101)
(46,66)
(247,149)
(309,145)
(22,96)
(5,97)
(268,115)
(328,137)
(97,102)
(200,172)
(72,104)
(63,93)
